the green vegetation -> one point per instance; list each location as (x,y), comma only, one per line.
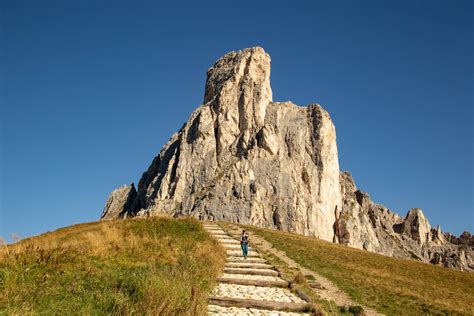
(389,285)
(300,281)
(141,266)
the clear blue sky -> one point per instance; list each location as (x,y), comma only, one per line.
(91,90)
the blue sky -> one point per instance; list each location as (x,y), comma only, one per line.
(91,90)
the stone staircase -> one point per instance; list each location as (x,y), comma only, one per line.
(250,286)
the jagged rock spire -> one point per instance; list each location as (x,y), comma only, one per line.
(238,86)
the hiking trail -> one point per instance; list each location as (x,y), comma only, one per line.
(250,286)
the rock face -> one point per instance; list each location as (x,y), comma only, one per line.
(370,226)
(243,158)
(120,203)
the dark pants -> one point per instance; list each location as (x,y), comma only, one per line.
(245,249)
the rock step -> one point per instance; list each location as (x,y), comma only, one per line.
(261,293)
(221,236)
(248,265)
(256,282)
(225,243)
(250,271)
(251,254)
(235,247)
(249,303)
(232,311)
(229,241)
(248,260)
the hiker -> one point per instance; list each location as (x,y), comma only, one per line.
(244,243)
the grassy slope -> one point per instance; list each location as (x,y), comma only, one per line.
(147,266)
(390,285)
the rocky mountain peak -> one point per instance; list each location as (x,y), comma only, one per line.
(238,71)
(238,92)
(241,157)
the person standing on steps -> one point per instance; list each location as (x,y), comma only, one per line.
(244,243)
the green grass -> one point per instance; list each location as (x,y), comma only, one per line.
(142,266)
(389,285)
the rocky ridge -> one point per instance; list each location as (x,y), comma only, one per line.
(241,157)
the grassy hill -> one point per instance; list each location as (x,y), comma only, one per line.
(141,266)
(389,285)
(169,266)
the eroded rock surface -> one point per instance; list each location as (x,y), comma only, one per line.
(242,157)
(120,203)
(367,225)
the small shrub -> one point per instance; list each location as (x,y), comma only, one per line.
(299,278)
(356,310)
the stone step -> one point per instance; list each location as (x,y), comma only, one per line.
(234,247)
(263,293)
(248,260)
(251,271)
(265,305)
(251,254)
(248,265)
(257,280)
(229,241)
(221,236)
(232,311)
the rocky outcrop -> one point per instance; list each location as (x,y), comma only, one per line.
(242,157)
(367,225)
(416,226)
(120,203)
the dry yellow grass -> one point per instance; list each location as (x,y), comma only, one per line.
(390,285)
(148,266)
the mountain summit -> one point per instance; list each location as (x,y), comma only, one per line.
(241,157)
